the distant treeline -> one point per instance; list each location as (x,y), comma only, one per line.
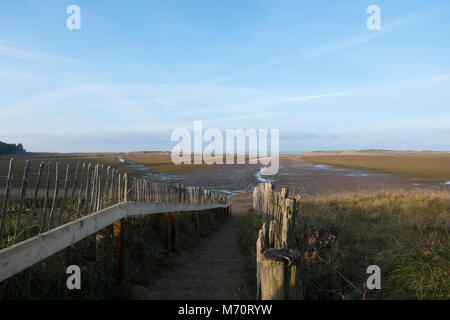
(11,148)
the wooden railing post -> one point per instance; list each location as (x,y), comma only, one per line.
(119,247)
(197,222)
(173,231)
(5,201)
(166,226)
(279,275)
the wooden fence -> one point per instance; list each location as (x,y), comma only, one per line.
(53,216)
(278,261)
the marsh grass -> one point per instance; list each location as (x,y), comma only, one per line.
(421,166)
(161,162)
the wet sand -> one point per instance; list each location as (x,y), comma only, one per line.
(301,177)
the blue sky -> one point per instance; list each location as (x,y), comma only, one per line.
(137,70)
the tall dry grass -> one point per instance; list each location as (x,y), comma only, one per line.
(406,235)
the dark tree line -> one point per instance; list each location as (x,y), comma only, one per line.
(11,148)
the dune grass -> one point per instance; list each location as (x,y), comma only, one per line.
(422,166)
(248,234)
(407,236)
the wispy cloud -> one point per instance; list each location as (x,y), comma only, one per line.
(442,77)
(330,48)
(412,18)
(14,50)
(388,26)
(10,73)
(360,39)
(10,51)
(318,96)
(86,101)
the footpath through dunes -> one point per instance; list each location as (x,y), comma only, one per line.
(213,270)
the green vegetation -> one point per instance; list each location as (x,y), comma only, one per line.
(6,148)
(406,235)
(248,234)
(423,166)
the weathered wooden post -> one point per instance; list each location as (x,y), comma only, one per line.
(75,182)
(279,275)
(49,175)
(173,231)
(88,185)
(63,203)
(5,201)
(125,187)
(278,266)
(23,191)
(80,191)
(119,247)
(33,205)
(55,197)
(99,247)
(259,250)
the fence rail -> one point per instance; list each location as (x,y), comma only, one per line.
(36,225)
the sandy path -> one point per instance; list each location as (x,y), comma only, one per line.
(212,270)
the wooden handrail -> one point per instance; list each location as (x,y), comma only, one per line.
(20,256)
